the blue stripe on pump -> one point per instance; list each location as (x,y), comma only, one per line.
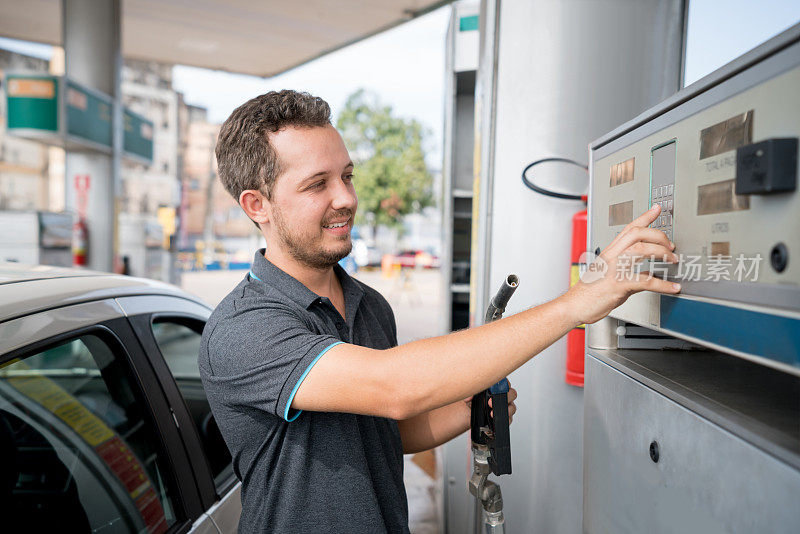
(771,336)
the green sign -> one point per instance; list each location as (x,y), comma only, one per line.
(58,111)
(137,136)
(88,114)
(32,102)
(468,24)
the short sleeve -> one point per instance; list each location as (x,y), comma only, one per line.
(258,358)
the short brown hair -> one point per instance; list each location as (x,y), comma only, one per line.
(245,159)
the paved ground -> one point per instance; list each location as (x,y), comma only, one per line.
(415,297)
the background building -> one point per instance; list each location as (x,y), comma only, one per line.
(208,213)
(147,90)
(24,165)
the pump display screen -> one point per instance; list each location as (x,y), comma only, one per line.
(622,173)
(621,213)
(663,165)
(662,180)
(720,197)
(727,135)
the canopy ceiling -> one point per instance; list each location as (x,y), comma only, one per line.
(258,37)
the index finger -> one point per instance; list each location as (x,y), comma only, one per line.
(647,218)
(643,221)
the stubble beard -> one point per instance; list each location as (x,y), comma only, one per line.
(302,248)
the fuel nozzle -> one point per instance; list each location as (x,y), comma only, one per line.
(497,306)
(491,442)
(488,430)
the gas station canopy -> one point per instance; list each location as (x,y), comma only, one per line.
(258,37)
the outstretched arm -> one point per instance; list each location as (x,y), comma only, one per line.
(415,378)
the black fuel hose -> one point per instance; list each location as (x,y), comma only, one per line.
(547,192)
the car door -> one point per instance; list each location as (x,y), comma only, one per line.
(170,329)
(86,434)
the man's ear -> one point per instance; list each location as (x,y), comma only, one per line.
(255,205)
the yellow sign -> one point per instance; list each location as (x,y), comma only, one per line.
(66,407)
(31,88)
(167,219)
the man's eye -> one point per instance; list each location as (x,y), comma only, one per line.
(317,185)
(349,177)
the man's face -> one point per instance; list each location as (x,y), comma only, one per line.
(313,200)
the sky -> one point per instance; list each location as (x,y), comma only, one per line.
(722,30)
(405,66)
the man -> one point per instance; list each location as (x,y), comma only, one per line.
(315,400)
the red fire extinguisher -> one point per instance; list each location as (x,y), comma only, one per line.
(576,337)
(80,243)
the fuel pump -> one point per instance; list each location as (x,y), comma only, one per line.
(489,432)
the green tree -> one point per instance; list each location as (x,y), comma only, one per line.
(391,178)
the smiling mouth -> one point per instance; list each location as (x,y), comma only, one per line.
(336,225)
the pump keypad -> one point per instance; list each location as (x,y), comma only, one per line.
(664,196)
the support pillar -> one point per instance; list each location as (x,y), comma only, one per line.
(93,57)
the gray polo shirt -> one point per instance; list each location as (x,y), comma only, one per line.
(300,471)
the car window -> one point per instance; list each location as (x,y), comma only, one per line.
(180,345)
(79,452)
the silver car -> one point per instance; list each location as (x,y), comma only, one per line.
(104,424)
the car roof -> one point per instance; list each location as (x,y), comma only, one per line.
(11,272)
(26,289)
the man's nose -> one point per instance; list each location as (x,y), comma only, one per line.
(344,196)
